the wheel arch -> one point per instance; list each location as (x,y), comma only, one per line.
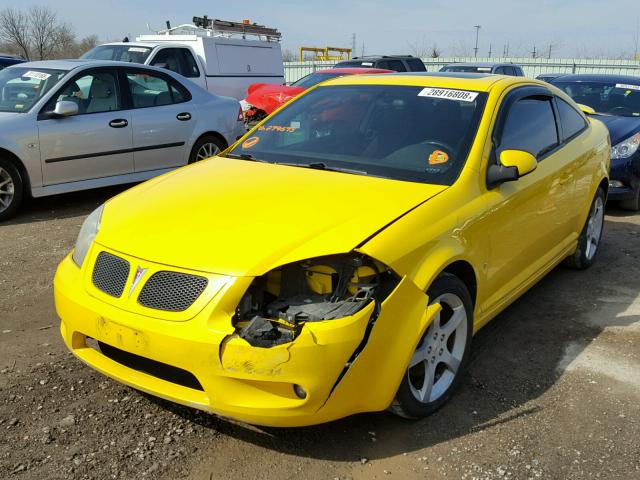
(15,160)
(463,270)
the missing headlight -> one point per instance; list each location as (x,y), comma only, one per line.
(277,305)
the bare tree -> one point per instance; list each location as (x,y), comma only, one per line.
(288,55)
(419,49)
(14,30)
(435,51)
(45,32)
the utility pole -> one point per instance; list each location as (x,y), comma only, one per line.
(505,50)
(533,54)
(550,45)
(489,50)
(353,43)
(475,50)
(635,50)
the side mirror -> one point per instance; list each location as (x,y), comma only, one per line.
(64,108)
(513,165)
(586,109)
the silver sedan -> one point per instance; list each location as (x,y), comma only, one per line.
(68,125)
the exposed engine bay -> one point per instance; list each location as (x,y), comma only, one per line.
(278,304)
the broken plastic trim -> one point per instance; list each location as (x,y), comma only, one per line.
(278,304)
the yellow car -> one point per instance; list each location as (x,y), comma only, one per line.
(340,256)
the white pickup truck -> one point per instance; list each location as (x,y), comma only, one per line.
(215,54)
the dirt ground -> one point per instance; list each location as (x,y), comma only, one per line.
(553,390)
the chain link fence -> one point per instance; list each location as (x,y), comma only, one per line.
(532,66)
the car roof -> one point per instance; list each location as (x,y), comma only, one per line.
(354,70)
(371,57)
(131,44)
(475,82)
(481,64)
(602,77)
(72,64)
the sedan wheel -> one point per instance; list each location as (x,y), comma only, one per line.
(207,150)
(7,190)
(589,240)
(439,359)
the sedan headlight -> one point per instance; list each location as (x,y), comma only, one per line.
(626,148)
(278,304)
(86,236)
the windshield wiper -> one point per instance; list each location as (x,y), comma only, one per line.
(324,166)
(244,156)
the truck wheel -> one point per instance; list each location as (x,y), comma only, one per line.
(206,146)
(11,189)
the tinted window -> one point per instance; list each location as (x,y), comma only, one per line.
(416,65)
(94,92)
(381,130)
(313,79)
(150,90)
(501,71)
(169,58)
(616,98)
(395,65)
(122,53)
(189,65)
(572,122)
(530,126)
(510,71)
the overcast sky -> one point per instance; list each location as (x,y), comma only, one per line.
(573,27)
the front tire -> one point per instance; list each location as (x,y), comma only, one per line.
(11,189)
(589,240)
(206,147)
(632,204)
(437,365)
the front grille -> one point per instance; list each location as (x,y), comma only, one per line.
(110,274)
(160,370)
(172,291)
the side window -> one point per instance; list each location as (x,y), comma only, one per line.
(168,58)
(500,71)
(510,71)
(396,65)
(416,65)
(572,122)
(530,126)
(93,93)
(148,89)
(189,66)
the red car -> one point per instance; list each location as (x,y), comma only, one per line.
(264,98)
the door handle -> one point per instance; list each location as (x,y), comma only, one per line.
(184,116)
(118,123)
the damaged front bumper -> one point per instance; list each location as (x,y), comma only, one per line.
(201,362)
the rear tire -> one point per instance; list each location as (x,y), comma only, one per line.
(589,240)
(439,361)
(207,146)
(11,189)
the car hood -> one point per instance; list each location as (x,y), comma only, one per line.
(619,128)
(269,97)
(243,218)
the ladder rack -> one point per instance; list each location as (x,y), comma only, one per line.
(224,27)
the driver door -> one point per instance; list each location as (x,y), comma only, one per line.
(95,143)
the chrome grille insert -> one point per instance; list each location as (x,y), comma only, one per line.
(110,274)
(171,291)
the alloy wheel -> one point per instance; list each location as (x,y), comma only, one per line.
(7,189)
(437,359)
(594,227)
(207,150)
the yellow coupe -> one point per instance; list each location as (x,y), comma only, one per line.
(339,257)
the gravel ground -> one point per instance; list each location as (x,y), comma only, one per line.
(553,390)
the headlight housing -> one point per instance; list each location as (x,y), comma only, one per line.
(626,148)
(278,304)
(86,236)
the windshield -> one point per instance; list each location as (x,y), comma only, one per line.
(121,53)
(314,79)
(400,132)
(615,98)
(22,87)
(466,68)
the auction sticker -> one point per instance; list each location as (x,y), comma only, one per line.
(628,87)
(250,142)
(36,75)
(446,93)
(438,157)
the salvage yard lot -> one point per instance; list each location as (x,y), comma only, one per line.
(553,390)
